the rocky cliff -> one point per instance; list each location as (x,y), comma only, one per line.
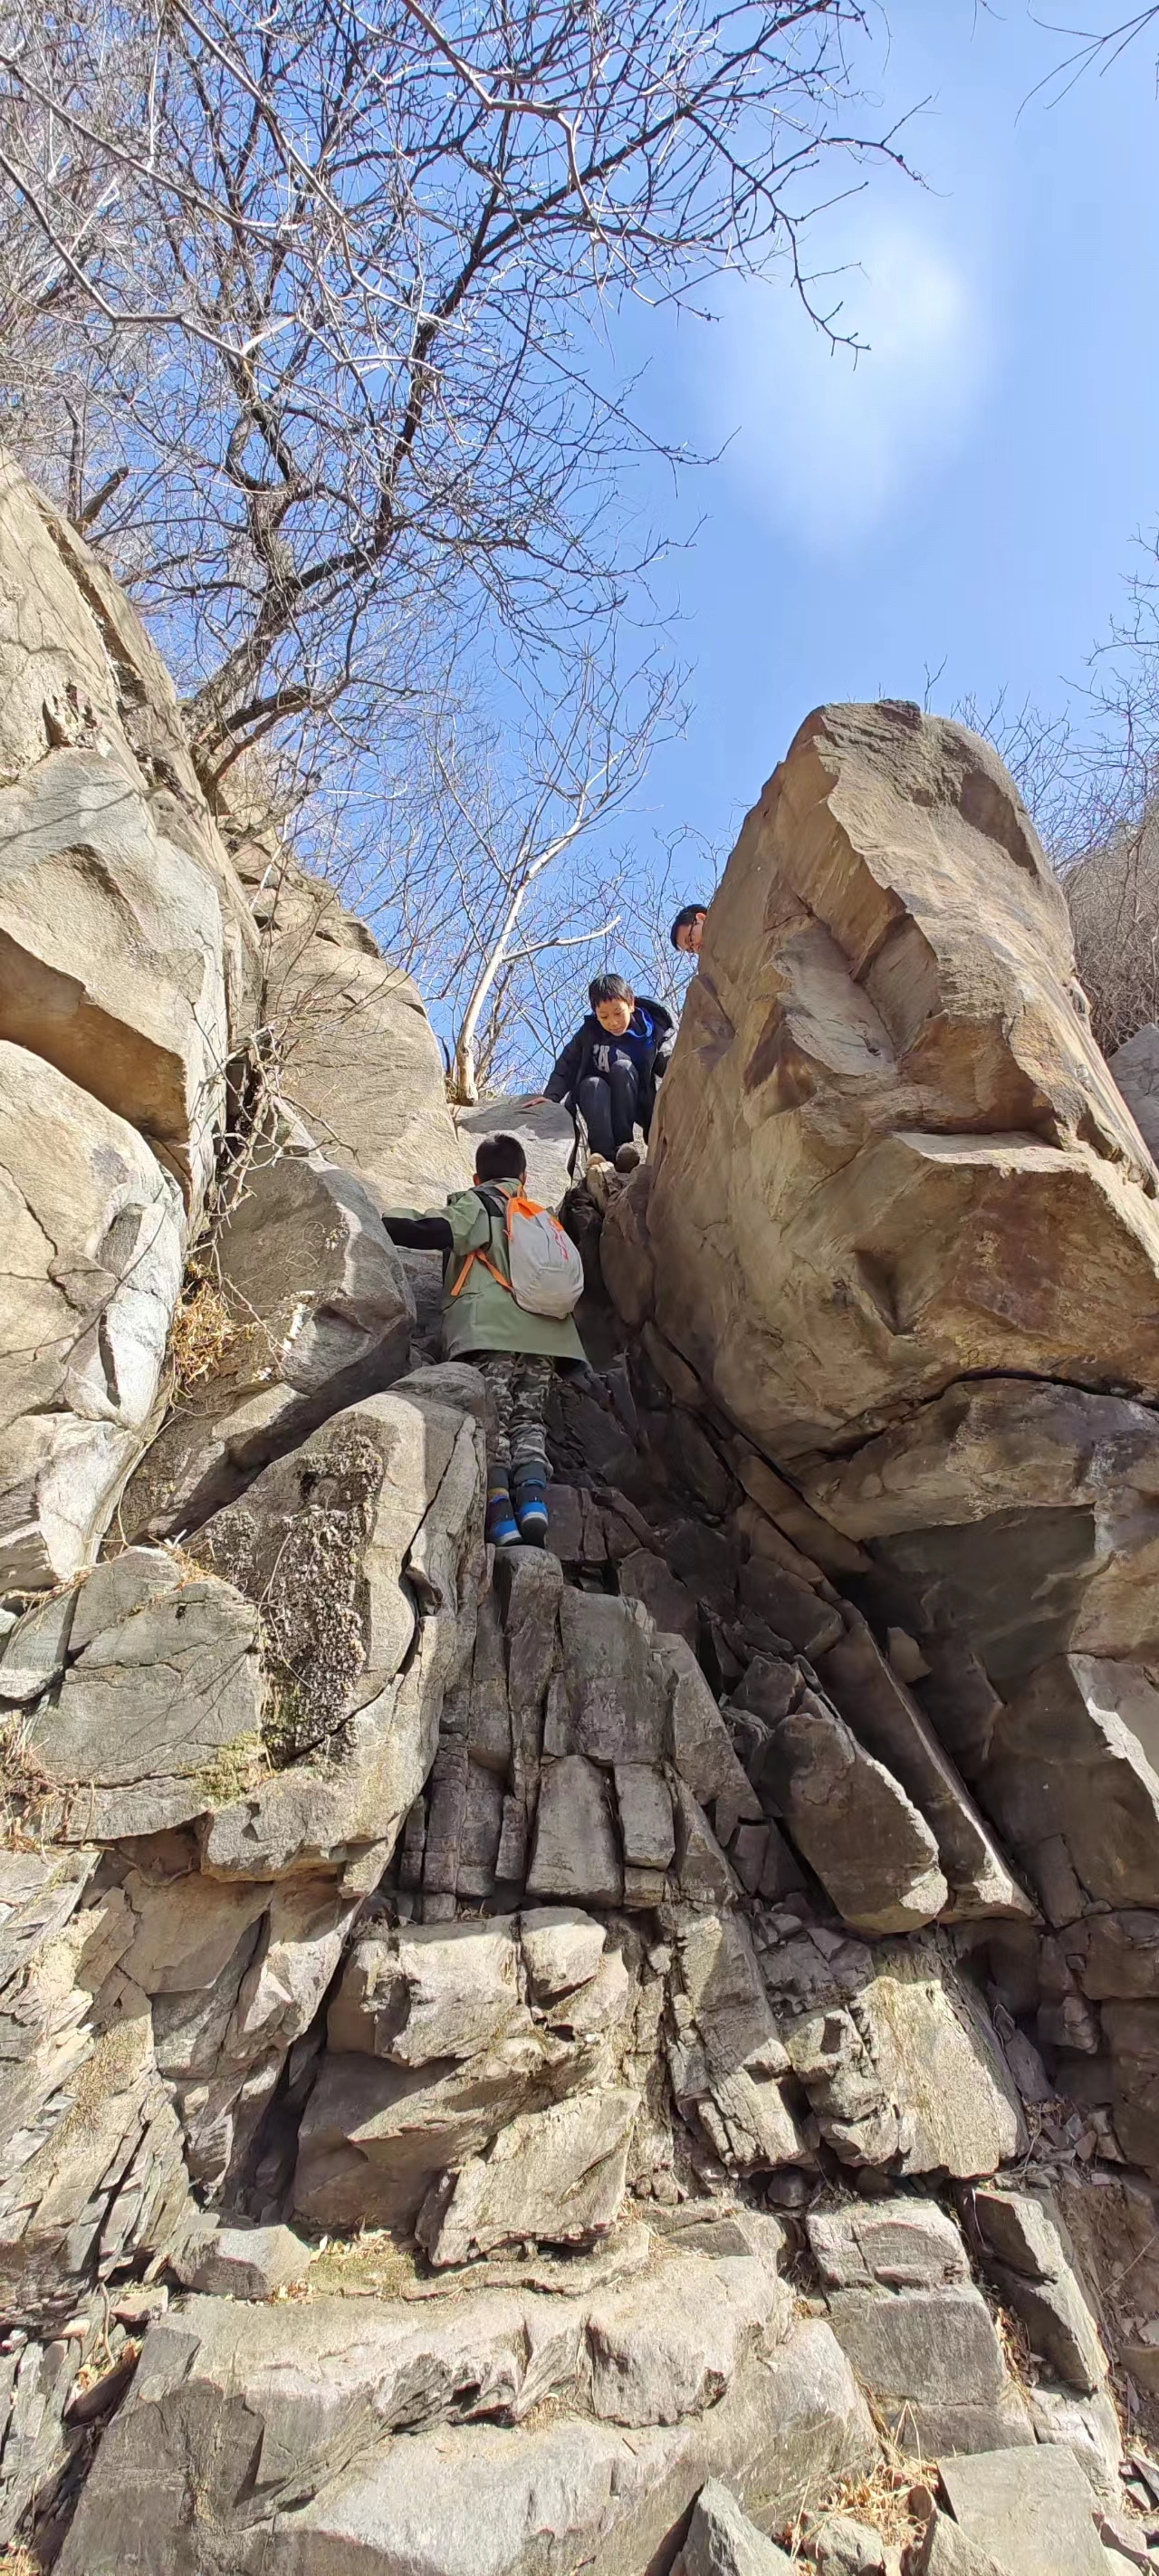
(582,2060)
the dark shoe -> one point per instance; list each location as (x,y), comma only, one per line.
(502,1528)
(629,1158)
(531,1509)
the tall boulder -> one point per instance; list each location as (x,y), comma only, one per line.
(129,975)
(90,1265)
(311,1309)
(888,1152)
(128,957)
(358,1059)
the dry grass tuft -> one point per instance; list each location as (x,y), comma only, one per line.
(1017,2350)
(202,1336)
(16,2560)
(880,2499)
(370,2265)
(24,1792)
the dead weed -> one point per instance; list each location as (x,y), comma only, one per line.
(25,1790)
(880,2499)
(201,1337)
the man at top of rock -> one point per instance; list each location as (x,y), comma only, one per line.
(514,1349)
(688,929)
(608,1072)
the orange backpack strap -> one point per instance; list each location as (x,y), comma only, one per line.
(488,1264)
(480,1255)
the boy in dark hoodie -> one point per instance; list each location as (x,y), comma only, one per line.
(609,1071)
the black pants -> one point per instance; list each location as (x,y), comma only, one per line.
(609,1104)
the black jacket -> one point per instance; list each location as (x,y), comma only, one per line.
(577,1062)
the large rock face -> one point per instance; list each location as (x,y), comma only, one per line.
(316,1312)
(1025,1517)
(359,1061)
(888,1152)
(129,975)
(127,953)
(91,1245)
(540,1925)
(397,2443)
(894,1271)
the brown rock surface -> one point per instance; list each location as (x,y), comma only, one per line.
(318,1312)
(127,953)
(91,1241)
(887,1151)
(1024,1517)
(360,1062)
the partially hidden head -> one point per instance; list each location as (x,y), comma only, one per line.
(500,1158)
(688,929)
(613,1002)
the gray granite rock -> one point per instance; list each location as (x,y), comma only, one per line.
(1135,1067)
(872,1851)
(1032,2510)
(644,1809)
(363,1550)
(726,2060)
(427,1992)
(235,1972)
(1074,1759)
(669,2344)
(907,2244)
(317,1312)
(159,1711)
(442,2037)
(933,2365)
(1035,2273)
(617,1696)
(90,1271)
(945,2550)
(556,2176)
(575,1851)
(898,2057)
(888,1720)
(543,1128)
(723,2542)
(562,1949)
(699,1745)
(843,2547)
(245,2262)
(366,2461)
(91,2167)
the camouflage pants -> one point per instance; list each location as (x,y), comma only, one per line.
(517,1386)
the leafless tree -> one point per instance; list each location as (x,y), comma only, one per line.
(494,862)
(1088,47)
(311,301)
(1090,775)
(1110,866)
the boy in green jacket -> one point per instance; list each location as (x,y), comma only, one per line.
(515,1352)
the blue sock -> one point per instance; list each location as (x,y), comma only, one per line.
(531,1504)
(502,1528)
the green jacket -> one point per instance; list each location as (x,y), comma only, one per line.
(484,1316)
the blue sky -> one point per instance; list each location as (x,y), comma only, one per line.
(968,494)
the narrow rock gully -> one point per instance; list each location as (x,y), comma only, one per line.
(633,2057)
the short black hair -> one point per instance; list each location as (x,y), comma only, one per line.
(500,1158)
(609,988)
(688,913)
